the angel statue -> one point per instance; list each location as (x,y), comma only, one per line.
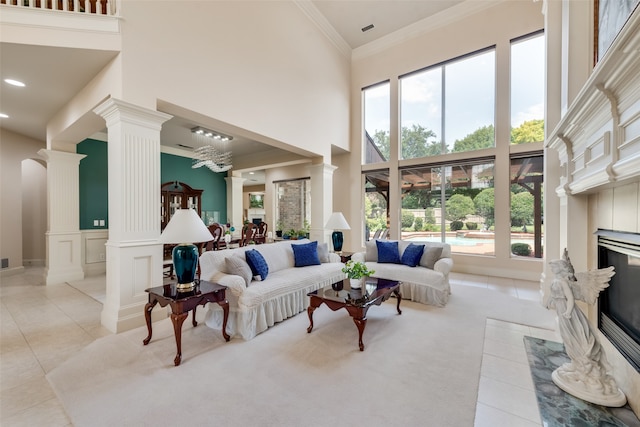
(586,376)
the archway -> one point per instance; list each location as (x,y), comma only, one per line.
(34,212)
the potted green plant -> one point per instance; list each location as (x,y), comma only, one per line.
(279,228)
(356,271)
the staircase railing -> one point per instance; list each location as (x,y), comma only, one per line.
(96,7)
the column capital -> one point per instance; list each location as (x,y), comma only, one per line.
(325,168)
(115,111)
(60,156)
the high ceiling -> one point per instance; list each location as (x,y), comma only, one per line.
(54,75)
(349,17)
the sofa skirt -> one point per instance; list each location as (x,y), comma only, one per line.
(248,322)
(425,294)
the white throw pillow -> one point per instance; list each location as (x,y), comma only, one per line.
(237,265)
(323,252)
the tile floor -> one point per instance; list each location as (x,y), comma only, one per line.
(41,326)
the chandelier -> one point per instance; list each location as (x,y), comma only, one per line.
(212,151)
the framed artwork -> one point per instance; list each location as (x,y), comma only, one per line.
(210,217)
(610,17)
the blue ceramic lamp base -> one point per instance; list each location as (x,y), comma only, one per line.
(185,263)
(337,239)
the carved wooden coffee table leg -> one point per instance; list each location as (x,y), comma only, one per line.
(399,298)
(310,311)
(178,320)
(360,323)
(147,316)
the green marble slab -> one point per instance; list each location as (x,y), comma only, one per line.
(560,409)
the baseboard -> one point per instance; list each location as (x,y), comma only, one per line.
(11,271)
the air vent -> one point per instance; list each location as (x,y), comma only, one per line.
(367,28)
(184,146)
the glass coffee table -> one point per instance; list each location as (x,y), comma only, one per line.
(355,301)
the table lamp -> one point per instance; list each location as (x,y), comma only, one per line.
(185,228)
(337,222)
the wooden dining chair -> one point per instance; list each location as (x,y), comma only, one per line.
(261,233)
(248,234)
(216,232)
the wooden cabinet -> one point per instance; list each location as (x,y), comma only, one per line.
(178,195)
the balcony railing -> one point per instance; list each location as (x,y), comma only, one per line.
(96,7)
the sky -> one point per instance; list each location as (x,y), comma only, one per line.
(469,93)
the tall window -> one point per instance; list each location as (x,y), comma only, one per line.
(293,205)
(421,114)
(453,203)
(527,89)
(527,177)
(376,203)
(449,107)
(376,102)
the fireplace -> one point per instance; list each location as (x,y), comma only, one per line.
(619,304)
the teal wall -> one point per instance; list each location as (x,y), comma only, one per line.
(94,189)
(94,183)
(214,196)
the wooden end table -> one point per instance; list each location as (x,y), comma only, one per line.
(355,301)
(183,302)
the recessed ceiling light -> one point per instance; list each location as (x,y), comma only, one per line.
(3,116)
(15,82)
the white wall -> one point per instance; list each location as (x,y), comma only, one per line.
(14,149)
(260,66)
(34,211)
(494,26)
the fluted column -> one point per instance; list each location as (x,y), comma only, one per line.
(322,202)
(63,240)
(234,201)
(134,255)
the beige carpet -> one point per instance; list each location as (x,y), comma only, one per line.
(419,368)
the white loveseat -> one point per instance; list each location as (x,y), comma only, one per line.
(427,282)
(258,305)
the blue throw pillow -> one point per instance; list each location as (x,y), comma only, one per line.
(412,254)
(257,263)
(306,254)
(388,252)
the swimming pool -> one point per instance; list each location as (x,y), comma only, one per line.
(453,241)
(464,241)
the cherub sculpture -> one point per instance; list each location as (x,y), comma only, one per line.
(586,376)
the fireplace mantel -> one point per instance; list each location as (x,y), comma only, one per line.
(598,138)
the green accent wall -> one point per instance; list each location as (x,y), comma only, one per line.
(214,196)
(94,189)
(94,183)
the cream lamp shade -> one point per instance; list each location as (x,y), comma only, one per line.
(337,222)
(185,228)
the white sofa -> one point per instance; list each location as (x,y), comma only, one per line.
(427,283)
(258,305)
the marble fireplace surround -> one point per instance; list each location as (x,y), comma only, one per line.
(598,144)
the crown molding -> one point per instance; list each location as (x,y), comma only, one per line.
(324,26)
(426,25)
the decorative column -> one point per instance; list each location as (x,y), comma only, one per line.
(134,254)
(63,239)
(322,202)
(234,201)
